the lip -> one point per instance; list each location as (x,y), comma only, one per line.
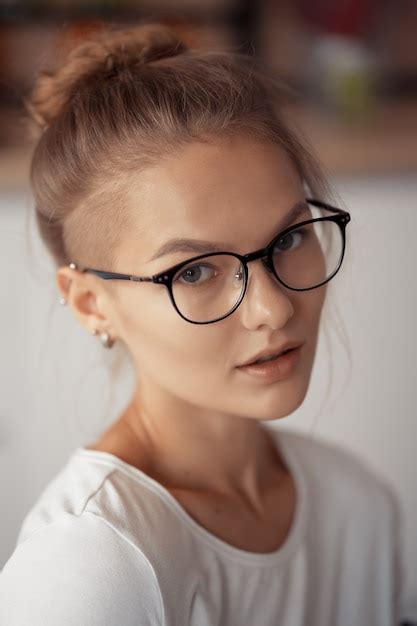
(271,351)
(274,370)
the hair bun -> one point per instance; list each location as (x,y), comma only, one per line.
(101,55)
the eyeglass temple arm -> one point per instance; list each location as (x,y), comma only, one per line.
(110,275)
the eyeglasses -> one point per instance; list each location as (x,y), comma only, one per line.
(301,257)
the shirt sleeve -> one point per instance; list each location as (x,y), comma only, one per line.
(79,571)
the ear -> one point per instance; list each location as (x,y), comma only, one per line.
(85,297)
(63,279)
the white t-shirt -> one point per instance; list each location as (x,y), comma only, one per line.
(106,545)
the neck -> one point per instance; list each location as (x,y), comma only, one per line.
(185,447)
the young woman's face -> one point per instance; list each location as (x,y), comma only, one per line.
(234,193)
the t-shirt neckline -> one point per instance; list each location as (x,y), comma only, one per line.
(294,534)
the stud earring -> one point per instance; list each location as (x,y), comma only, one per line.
(62,301)
(105,339)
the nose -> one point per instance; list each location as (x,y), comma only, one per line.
(266,300)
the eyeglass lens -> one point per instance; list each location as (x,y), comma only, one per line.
(207,289)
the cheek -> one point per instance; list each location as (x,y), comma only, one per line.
(312,308)
(186,363)
(168,347)
(312,303)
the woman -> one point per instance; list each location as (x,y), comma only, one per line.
(170,192)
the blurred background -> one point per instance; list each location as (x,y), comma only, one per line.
(353,61)
(353,66)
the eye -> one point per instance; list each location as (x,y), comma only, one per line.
(193,273)
(284,243)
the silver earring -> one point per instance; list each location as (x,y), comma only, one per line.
(62,300)
(105,339)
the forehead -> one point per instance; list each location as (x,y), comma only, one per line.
(217,191)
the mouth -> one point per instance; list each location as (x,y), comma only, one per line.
(274,368)
(272,357)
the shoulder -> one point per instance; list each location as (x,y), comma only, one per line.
(78,569)
(353,503)
(68,491)
(340,473)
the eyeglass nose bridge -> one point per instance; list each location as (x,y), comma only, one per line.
(265,254)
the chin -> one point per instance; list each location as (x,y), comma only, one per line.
(279,402)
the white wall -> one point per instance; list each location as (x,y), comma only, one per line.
(55,387)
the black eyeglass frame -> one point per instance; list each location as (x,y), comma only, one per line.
(342,218)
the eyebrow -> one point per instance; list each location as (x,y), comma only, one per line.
(201,245)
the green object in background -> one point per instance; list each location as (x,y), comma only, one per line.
(345,73)
(353,94)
